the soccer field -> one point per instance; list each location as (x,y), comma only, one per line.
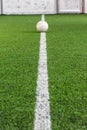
(19,52)
(67,68)
(67,71)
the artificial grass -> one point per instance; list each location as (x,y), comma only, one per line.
(67,67)
(19,50)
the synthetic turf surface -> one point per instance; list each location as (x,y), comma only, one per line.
(67,67)
(19,51)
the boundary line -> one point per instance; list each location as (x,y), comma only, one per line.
(42,110)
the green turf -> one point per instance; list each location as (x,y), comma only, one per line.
(67,66)
(19,50)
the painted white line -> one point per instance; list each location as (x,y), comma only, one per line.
(42,110)
(43,17)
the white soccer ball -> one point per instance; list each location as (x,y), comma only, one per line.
(42,26)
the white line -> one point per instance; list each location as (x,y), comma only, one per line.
(42,110)
(43,17)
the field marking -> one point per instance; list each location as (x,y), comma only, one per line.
(42,110)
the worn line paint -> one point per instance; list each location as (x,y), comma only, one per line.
(42,110)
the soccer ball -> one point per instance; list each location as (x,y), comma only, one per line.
(42,26)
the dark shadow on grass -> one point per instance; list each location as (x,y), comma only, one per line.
(33,31)
(30,31)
